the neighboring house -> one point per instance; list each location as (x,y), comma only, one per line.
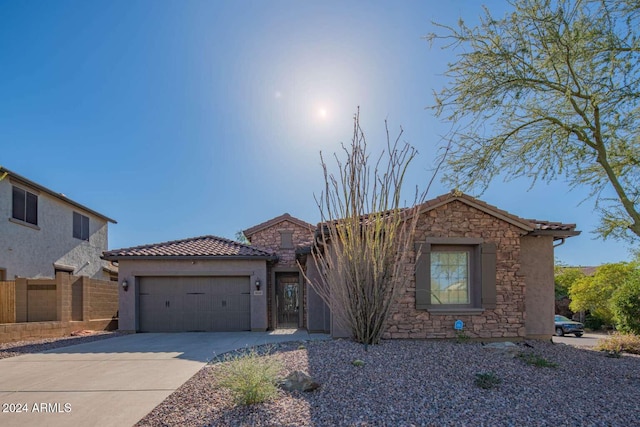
(503,286)
(45,232)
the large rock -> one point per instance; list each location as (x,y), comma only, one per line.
(300,381)
(506,347)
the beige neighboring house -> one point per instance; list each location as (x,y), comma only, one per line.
(503,287)
(44,232)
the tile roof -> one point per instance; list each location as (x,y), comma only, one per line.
(273,221)
(203,246)
(555,226)
(536,227)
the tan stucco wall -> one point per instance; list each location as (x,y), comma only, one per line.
(318,314)
(130,270)
(29,252)
(537,267)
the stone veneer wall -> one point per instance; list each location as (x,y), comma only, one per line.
(507,320)
(269,240)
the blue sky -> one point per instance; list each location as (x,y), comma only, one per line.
(185,118)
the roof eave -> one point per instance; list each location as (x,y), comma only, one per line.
(557,234)
(29,183)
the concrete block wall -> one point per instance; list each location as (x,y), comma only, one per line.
(10,332)
(45,307)
(103,299)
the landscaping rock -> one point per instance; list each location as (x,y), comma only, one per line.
(300,381)
(506,347)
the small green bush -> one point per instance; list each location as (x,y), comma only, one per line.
(358,363)
(252,378)
(535,360)
(487,380)
(462,337)
(618,343)
(625,304)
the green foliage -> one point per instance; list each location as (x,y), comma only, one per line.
(252,378)
(240,237)
(625,304)
(358,363)
(564,277)
(536,360)
(462,337)
(593,293)
(487,380)
(618,343)
(549,90)
(593,322)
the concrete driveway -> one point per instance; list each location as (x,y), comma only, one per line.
(588,340)
(113,382)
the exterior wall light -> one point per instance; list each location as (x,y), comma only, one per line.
(125,285)
(257,284)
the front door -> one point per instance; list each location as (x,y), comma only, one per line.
(288,300)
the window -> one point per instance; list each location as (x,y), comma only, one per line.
(457,274)
(80,226)
(25,206)
(450,276)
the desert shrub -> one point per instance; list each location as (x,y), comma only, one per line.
(617,343)
(535,360)
(252,378)
(625,304)
(487,380)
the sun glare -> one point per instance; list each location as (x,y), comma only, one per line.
(322,113)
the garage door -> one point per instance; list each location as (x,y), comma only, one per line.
(176,304)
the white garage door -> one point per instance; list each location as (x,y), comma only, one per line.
(177,304)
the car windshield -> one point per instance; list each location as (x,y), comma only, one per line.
(562,319)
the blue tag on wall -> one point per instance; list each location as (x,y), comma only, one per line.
(458,325)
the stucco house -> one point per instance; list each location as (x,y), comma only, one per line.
(503,286)
(45,232)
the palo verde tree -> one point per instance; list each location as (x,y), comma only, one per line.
(594,293)
(551,89)
(365,235)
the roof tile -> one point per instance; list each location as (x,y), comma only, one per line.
(203,246)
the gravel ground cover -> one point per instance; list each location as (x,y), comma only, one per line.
(18,348)
(423,383)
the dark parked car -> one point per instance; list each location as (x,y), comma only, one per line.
(568,326)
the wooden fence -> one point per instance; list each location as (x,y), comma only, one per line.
(7,302)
